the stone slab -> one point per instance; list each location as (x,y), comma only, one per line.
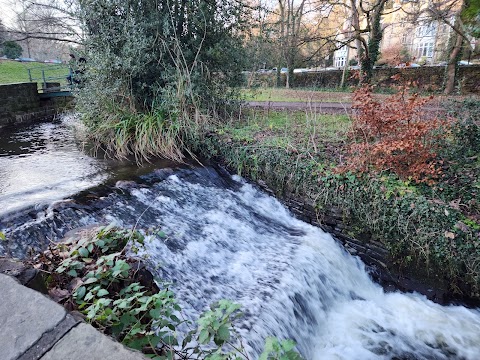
(84,342)
(49,339)
(25,315)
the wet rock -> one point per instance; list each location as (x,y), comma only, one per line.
(28,276)
(143,275)
(125,185)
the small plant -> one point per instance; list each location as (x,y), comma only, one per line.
(395,135)
(279,350)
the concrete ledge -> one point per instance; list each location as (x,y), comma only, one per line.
(25,315)
(34,327)
(84,342)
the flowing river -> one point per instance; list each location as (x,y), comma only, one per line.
(224,238)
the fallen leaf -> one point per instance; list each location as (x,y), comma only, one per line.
(449,235)
(75,284)
(58,294)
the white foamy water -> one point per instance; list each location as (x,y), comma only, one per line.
(292,279)
(227,240)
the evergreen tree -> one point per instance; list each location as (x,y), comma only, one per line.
(11,49)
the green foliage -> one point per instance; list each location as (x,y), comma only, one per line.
(420,225)
(11,49)
(169,66)
(461,152)
(471,17)
(279,350)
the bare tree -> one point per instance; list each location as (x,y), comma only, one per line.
(54,20)
(297,28)
(366,32)
(2,32)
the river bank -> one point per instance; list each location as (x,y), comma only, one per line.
(419,237)
(209,236)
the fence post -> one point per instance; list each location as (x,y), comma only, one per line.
(30,74)
(44,81)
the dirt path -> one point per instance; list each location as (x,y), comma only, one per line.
(312,106)
(324,107)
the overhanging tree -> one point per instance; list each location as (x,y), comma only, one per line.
(178,60)
(451,13)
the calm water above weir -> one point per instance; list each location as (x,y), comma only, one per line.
(43,163)
(227,239)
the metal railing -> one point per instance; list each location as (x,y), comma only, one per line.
(52,78)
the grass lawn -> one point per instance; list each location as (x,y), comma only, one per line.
(296,95)
(297,131)
(325,95)
(15,72)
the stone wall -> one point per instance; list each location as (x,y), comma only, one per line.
(428,78)
(20,103)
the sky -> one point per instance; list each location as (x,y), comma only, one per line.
(7,13)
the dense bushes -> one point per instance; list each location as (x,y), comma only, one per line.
(175,61)
(395,135)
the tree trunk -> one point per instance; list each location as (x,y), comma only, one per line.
(452,62)
(373,49)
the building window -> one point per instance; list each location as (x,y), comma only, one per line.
(340,61)
(340,57)
(425,49)
(426,30)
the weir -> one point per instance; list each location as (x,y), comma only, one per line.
(213,236)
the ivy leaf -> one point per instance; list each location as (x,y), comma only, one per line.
(223,333)
(2,236)
(204,336)
(169,340)
(102,292)
(72,273)
(80,293)
(89,296)
(83,252)
(90,280)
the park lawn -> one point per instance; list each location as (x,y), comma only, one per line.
(296,95)
(332,95)
(15,72)
(297,131)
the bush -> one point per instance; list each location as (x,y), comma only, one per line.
(395,135)
(175,62)
(12,49)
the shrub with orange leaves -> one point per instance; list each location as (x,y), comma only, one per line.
(398,135)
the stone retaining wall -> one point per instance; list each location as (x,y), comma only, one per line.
(428,78)
(20,103)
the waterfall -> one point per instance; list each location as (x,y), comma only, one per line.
(222,238)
